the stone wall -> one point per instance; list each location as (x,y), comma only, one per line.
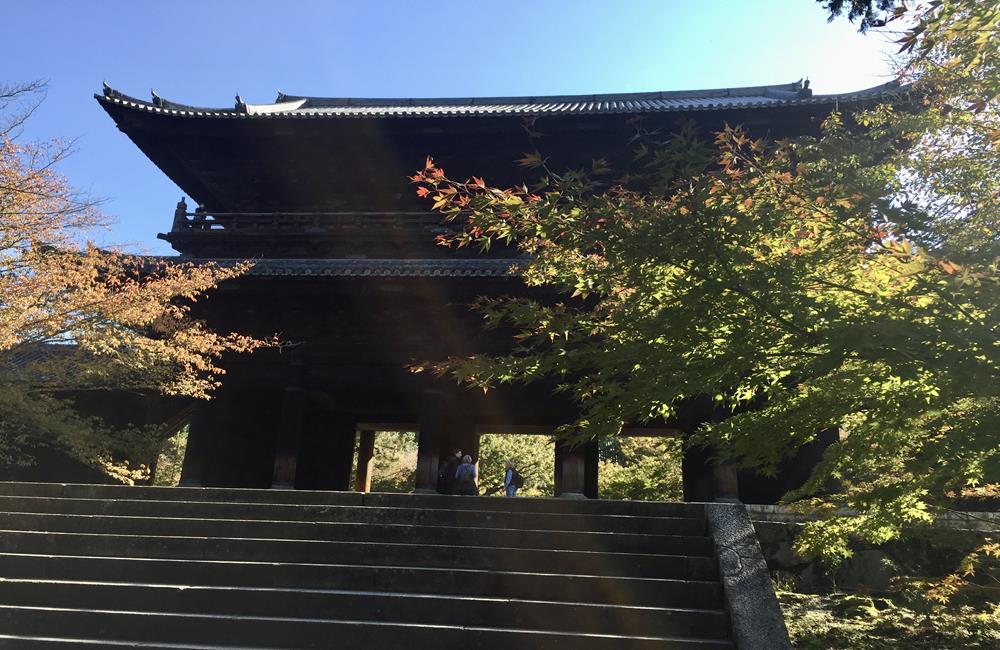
(928,552)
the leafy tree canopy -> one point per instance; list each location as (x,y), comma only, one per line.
(647,469)
(868,13)
(847,279)
(395,466)
(76,319)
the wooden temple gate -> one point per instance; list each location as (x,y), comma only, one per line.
(348,273)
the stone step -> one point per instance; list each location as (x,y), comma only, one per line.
(386,607)
(627,591)
(311,497)
(548,505)
(348,531)
(260,632)
(17,642)
(360,553)
(366,514)
(112,566)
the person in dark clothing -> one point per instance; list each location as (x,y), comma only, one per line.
(511,479)
(446,473)
(465,477)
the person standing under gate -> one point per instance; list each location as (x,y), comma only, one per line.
(511,479)
(446,476)
(465,477)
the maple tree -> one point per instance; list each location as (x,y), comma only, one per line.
(869,13)
(76,318)
(843,280)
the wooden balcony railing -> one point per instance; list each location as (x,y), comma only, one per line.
(310,223)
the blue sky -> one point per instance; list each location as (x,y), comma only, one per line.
(204,52)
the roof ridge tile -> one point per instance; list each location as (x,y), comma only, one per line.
(660,101)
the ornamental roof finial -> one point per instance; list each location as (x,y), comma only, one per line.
(180,214)
(109,91)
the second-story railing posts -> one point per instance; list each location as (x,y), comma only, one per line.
(304,222)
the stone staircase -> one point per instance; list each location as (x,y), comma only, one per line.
(102,566)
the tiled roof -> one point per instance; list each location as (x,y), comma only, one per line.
(793,94)
(28,354)
(391,268)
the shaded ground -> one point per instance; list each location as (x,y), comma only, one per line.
(851,622)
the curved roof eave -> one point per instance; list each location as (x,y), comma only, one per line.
(293,106)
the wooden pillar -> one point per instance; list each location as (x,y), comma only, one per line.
(326,450)
(591,462)
(345,434)
(459,431)
(429,438)
(698,474)
(366,458)
(444,425)
(570,471)
(726,484)
(286,452)
(710,479)
(198,446)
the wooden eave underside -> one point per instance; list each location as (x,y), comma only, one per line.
(252,159)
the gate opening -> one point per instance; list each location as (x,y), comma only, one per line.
(534,455)
(394,462)
(642,468)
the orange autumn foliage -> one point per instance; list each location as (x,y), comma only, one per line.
(76,318)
